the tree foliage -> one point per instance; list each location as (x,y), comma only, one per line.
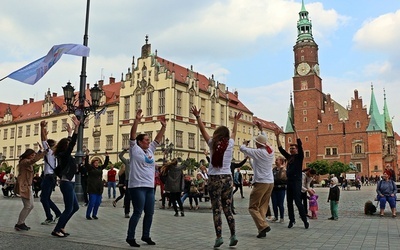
(324,167)
(320,166)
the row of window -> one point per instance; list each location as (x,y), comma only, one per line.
(97,122)
(96,146)
(178,108)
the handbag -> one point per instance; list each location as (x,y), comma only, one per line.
(193,189)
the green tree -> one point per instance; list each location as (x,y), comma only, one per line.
(337,168)
(320,166)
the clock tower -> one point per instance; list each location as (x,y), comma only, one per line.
(307,84)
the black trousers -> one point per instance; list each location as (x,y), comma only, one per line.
(293,194)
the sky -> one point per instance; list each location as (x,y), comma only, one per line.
(248,45)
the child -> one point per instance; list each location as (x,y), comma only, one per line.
(333,198)
(313,204)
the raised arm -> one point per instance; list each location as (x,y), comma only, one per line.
(277,133)
(135,123)
(72,143)
(107,160)
(234,129)
(43,130)
(196,113)
(122,158)
(161,131)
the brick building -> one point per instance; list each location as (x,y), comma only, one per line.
(352,134)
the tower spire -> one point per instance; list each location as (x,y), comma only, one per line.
(290,120)
(387,119)
(304,26)
(376,122)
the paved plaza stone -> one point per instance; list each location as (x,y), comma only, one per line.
(353,230)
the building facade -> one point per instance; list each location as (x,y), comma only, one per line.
(352,135)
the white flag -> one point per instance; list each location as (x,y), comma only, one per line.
(32,72)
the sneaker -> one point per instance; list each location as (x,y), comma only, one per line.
(274,220)
(176,214)
(88,217)
(269,218)
(55,220)
(95,217)
(233,241)
(281,220)
(27,228)
(218,242)
(182,214)
(127,216)
(21,227)
(46,222)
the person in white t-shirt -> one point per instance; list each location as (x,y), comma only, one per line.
(141,180)
(220,180)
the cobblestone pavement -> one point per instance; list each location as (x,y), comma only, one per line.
(353,230)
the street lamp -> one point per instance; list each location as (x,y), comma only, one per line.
(167,149)
(80,111)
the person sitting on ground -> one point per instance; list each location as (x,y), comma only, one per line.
(9,185)
(186,187)
(387,191)
(196,190)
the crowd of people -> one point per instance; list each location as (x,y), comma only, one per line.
(138,177)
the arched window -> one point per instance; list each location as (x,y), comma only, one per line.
(358,124)
(330,127)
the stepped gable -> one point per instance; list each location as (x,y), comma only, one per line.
(181,74)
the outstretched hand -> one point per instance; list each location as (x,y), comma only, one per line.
(195,111)
(258,124)
(163,122)
(139,114)
(43,124)
(277,131)
(238,115)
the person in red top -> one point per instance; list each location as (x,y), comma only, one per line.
(111,181)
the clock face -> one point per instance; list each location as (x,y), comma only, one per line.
(316,69)
(303,69)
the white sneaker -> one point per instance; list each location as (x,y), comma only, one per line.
(281,221)
(274,220)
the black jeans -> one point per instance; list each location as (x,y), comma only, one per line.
(293,194)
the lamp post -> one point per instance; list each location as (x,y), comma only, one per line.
(167,149)
(80,110)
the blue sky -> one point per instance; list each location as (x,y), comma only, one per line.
(248,45)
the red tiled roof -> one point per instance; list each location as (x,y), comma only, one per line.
(234,102)
(181,73)
(267,124)
(33,110)
(396,136)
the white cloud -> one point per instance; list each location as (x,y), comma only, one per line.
(379,34)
